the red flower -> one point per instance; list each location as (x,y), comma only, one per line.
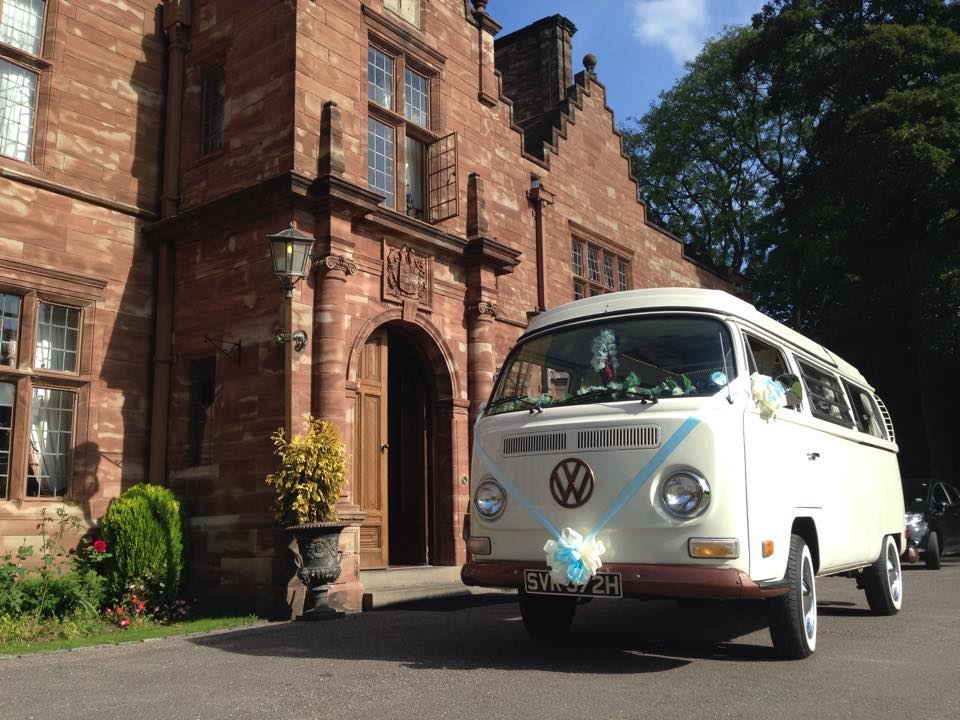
(100,546)
(119,611)
(123,623)
(141,606)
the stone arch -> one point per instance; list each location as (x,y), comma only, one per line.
(437,351)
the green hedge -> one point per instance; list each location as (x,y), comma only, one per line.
(146,532)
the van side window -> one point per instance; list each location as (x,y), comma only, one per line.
(767,359)
(826,395)
(865,412)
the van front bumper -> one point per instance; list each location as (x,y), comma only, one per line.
(646,581)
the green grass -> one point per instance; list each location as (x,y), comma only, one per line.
(105,634)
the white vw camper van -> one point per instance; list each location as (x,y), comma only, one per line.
(677,443)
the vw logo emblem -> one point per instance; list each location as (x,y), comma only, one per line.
(571,483)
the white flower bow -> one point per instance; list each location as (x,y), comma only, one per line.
(573,559)
(768,394)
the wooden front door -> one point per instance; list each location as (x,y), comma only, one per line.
(372,456)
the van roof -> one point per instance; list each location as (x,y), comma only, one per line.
(676,298)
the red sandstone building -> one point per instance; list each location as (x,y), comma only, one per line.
(453,183)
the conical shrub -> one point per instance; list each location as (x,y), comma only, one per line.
(145,529)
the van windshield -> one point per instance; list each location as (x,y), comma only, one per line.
(640,357)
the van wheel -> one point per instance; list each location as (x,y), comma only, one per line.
(793,616)
(547,618)
(932,554)
(883,581)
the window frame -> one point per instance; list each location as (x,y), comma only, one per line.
(417,22)
(395,117)
(793,402)
(843,404)
(619,266)
(207,147)
(36,65)
(855,394)
(35,286)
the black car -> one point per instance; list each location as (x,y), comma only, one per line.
(933,520)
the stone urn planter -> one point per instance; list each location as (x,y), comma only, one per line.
(309,478)
(318,545)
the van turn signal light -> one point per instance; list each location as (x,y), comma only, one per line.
(728,548)
(766,548)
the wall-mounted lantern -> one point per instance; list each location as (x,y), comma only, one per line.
(290,252)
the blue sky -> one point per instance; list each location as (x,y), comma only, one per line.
(641,45)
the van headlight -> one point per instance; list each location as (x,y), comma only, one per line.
(490,499)
(685,494)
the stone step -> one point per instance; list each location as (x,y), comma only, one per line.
(382,588)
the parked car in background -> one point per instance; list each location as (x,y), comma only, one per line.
(933,521)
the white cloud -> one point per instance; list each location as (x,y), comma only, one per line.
(682,26)
(679,26)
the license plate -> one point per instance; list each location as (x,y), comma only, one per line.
(606,585)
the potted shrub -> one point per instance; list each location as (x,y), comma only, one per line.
(308,480)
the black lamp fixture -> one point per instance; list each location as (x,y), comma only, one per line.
(290,252)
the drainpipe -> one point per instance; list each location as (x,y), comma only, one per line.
(540,197)
(176,24)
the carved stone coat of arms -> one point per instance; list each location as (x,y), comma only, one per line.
(407,276)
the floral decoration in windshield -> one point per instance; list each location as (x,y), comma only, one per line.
(639,358)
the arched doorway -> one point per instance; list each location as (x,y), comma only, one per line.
(403,454)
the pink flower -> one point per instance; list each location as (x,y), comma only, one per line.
(100,546)
(141,606)
(123,623)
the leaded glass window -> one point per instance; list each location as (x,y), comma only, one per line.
(18,96)
(380,154)
(51,439)
(602,272)
(9,328)
(58,331)
(416,99)
(21,24)
(379,77)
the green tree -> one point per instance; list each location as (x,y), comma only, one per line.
(869,254)
(710,155)
(818,151)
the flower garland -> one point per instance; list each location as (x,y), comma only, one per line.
(605,359)
(572,558)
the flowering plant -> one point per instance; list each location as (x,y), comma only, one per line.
(136,607)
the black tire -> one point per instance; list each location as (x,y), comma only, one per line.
(793,616)
(547,618)
(931,555)
(883,581)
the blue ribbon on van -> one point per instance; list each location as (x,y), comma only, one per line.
(561,546)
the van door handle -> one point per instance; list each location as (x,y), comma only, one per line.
(813,455)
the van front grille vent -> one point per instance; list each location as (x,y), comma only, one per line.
(620,438)
(535,444)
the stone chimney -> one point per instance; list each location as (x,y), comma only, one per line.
(536,65)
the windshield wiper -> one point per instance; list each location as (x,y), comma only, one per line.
(522,400)
(615,393)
